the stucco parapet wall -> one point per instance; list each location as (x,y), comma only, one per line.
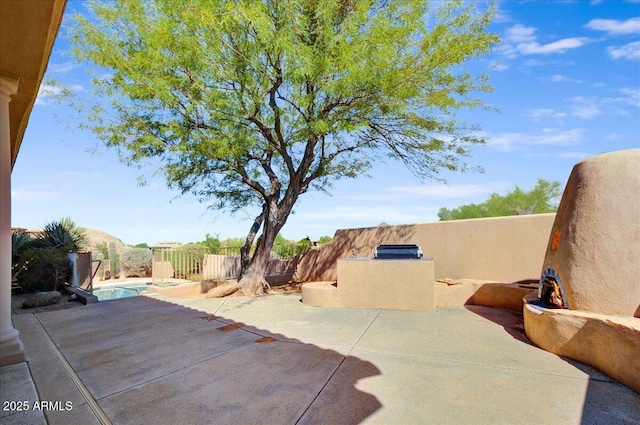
(608,343)
(504,249)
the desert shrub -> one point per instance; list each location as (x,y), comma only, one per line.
(284,250)
(41,263)
(136,262)
(303,245)
(45,269)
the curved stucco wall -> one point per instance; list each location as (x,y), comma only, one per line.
(610,344)
(597,232)
(505,249)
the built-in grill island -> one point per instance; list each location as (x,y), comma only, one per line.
(397,277)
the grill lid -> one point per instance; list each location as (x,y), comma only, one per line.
(398,251)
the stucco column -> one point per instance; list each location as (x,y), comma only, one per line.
(11,349)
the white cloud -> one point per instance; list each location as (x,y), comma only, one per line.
(445,191)
(564,79)
(21,195)
(629,51)
(534,62)
(356,216)
(548,136)
(630,96)
(560,46)
(615,27)
(61,68)
(519,34)
(564,155)
(502,17)
(585,108)
(47,91)
(499,67)
(521,40)
(536,114)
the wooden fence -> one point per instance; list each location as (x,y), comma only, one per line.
(225,266)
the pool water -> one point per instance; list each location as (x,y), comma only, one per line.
(120,291)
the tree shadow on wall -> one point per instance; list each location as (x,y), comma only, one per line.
(320,264)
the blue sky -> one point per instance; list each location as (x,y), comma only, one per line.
(566,85)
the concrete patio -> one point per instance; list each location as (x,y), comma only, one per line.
(273,360)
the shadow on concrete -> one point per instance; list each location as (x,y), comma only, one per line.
(511,321)
(146,360)
(606,400)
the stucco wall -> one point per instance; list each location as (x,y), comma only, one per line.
(506,249)
(598,250)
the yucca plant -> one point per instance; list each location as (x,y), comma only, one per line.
(63,234)
(19,241)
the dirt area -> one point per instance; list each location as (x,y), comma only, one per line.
(63,304)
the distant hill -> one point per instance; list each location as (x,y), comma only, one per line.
(96,237)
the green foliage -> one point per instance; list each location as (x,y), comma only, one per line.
(136,262)
(284,250)
(19,241)
(141,245)
(211,243)
(257,102)
(538,200)
(45,269)
(100,257)
(41,263)
(64,234)
(280,240)
(324,239)
(303,246)
(103,248)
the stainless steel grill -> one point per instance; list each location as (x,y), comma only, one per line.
(397,252)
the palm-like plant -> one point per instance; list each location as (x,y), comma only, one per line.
(19,240)
(63,234)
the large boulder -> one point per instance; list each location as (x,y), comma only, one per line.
(41,299)
(224,289)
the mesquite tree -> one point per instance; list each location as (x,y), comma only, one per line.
(252,103)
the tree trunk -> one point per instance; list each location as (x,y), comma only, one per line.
(252,280)
(245,259)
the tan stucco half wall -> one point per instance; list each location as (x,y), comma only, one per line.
(382,284)
(608,343)
(502,249)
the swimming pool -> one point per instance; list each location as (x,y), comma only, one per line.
(124,290)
